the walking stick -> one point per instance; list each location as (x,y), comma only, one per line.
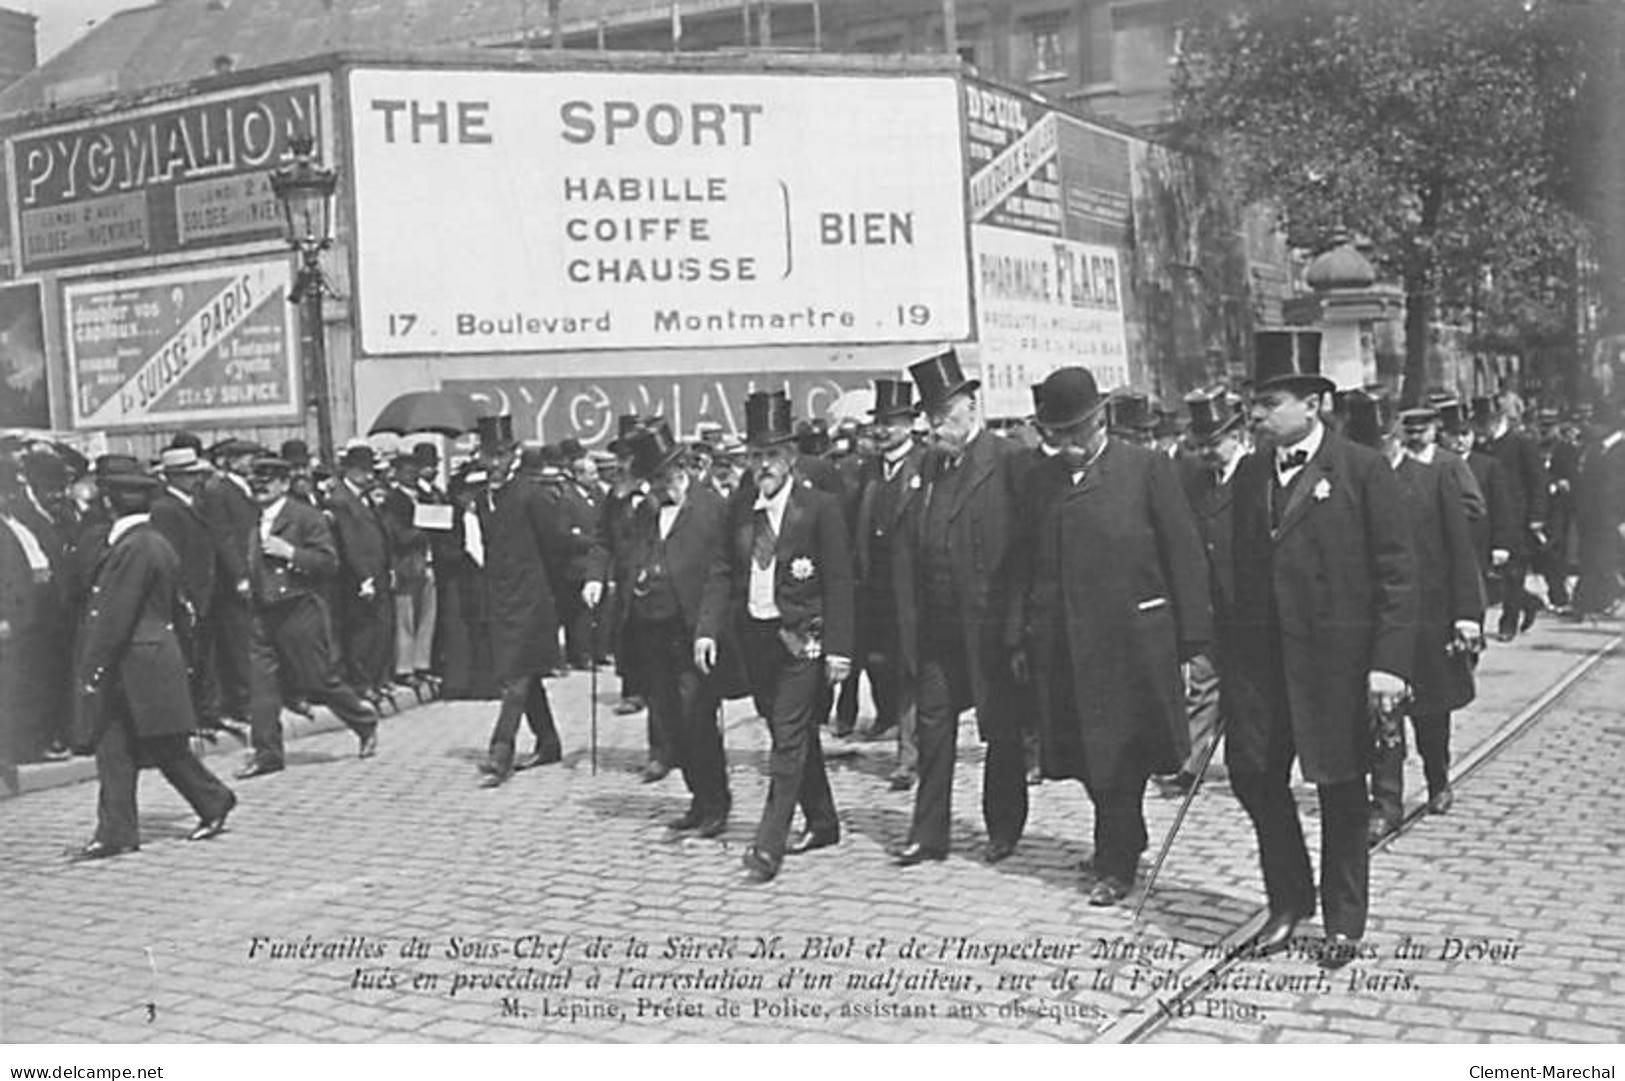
(592,689)
(1179,818)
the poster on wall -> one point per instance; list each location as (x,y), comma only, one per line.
(601,210)
(197,347)
(24,391)
(162,179)
(1044,303)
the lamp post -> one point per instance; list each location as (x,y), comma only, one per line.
(305,191)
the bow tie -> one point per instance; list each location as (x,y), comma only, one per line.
(1295,460)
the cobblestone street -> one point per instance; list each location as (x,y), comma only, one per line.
(571,916)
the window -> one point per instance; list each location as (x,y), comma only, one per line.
(1046,50)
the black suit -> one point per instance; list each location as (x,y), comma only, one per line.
(659,593)
(812,590)
(1599,505)
(1527,493)
(366,622)
(1325,594)
(290,643)
(181,523)
(231,515)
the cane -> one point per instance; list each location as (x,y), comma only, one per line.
(592,689)
(1179,818)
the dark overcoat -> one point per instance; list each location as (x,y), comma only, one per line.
(232,516)
(900,532)
(1110,589)
(524,545)
(363,542)
(128,661)
(1449,586)
(182,524)
(1526,482)
(1599,508)
(981,535)
(1499,528)
(1321,602)
(1212,503)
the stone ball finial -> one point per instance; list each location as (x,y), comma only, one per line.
(1340,267)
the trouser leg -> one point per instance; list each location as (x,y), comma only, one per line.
(1202,709)
(426,616)
(197,785)
(1345,859)
(117,825)
(1433,747)
(793,729)
(705,764)
(1120,835)
(1266,795)
(1004,787)
(936,733)
(234,629)
(539,718)
(907,714)
(265,695)
(303,644)
(1388,782)
(515,693)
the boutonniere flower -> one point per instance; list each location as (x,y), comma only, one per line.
(801,568)
(814,649)
(1323,490)
(914,481)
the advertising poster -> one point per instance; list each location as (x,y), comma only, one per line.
(620,210)
(24,394)
(160,180)
(196,347)
(1045,303)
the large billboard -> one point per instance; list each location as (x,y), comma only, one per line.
(161,179)
(200,347)
(547,211)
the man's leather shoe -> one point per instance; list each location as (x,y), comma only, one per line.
(1441,802)
(539,756)
(998,851)
(911,854)
(654,771)
(258,768)
(810,841)
(369,743)
(688,820)
(1277,933)
(1338,950)
(96,850)
(900,782)
(213,827)
(1108,891)
(713,826)
(1379,827)
(495,778)
(758,868)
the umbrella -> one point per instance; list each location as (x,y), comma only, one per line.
(426,411)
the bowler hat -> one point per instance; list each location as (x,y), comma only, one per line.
(108,465)
(1289,361)
(178,460)
(426,454)
(625,425)
(357,455)
(812,436)
(296,452)
(939,378)
(1067,396)
(893,398)
(653,448)
(1213,413)
(767,418)
(1129,411)
(495,433)
(1038,398)
(187,439)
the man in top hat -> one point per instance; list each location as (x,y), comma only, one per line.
(290,555)
(675,537)
(227,503)
(889,489)
(1218,437)
(1494,533)
(1129,417)
(578,504)
(1561,457)
(784,580)
(525,545)
(1450,608)
(35,628)
(132,705)
(614,520)
(1323,631)
(178,517)
(962,554)
(1109,598)
(1526,488)
(362,592)
(1599,508)
(412,564)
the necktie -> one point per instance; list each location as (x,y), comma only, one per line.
(1294,460)
(765,541)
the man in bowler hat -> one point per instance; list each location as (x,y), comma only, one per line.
(962,549)
(784,578)
(365,616)
(132,704)
(673,539)
(290,556)
(1322,634)
(1108,598)
(524,544)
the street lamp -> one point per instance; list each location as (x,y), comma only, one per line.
(305,191)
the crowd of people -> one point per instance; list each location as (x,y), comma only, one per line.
(1112,587)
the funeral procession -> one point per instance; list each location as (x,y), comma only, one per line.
(812,520)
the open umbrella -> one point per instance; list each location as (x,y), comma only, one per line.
(426,411)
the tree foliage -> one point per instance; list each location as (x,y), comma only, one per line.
(1434,127)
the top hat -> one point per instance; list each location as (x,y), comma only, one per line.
(495,433)
(939,379)
(1167,424)
(177,460)
(1449,413)
(812,436)
(767,418)
(1213,413)
(625,425)
(1288,361)
(709,432)
(1067,396)
(893,398)
(1481,409)
(296,452)
(1368,415)
(187,439)
(1129,411)
(652,448)
(1418,417)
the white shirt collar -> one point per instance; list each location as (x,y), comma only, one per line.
(180,495)
(1614,437)
(775,506)
(1310,444)
(1426,454)
(1230,467)
(269,514)
(240,482)
(123,526)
